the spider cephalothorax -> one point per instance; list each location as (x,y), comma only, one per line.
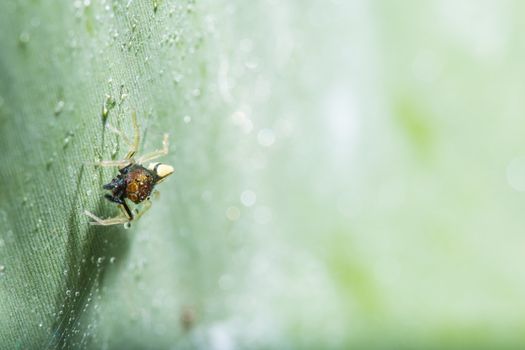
(134,181)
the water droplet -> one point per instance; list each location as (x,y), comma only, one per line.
(38,225)
(67,139)
(188,318)
(68,292)
(100,260)
(266,137)
(40,325)
(241,119)
(123,93)
(233,213)
(187,119)
(177,77)
(105,112)
(238,117)
(127,225)
(59,107)
(24,38)
(108,105)
(114,150)
(112,259)
(251,65)
(77,293)
(248,198)
(2,269)
(49,163)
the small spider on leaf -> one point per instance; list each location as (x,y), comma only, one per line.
(134,181)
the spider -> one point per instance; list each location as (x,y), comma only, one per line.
(134,181)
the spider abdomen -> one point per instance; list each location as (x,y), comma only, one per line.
(139,184)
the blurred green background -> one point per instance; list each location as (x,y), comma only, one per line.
(349,174)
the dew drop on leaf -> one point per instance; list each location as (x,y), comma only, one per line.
(24,38)
(233,213)
(248,198)
(59,107)
(266,137)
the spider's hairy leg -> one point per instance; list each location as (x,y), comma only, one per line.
(136,137)
(106,222)
(157,153)
(120,134)
(144,209)
(109,163)
(132,145)
(124,218)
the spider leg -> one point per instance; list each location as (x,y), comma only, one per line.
(126,210)
(133,146)
(145,208)
(155,194)
(106,222)
(125,216)
(136,137)
(120,133)
(108,163)
(157,153)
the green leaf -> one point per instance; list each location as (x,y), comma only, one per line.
(298,215)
